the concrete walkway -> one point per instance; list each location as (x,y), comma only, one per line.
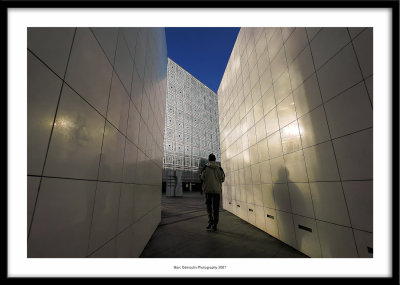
(182,233)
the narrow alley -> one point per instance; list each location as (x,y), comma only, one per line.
(182,233)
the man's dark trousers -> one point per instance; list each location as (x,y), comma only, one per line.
(212,201)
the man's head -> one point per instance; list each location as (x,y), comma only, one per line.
(211,157)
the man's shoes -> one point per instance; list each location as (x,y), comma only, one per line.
(214,228)
(209,226)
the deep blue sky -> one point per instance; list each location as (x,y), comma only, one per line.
(203,52)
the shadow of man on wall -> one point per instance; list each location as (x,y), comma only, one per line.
(290,200)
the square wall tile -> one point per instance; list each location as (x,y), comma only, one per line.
(301,68)
(265,172)
(62,219)
(43,92)
(295,44)
(75,146)
(265,79)
(327,43)
(260,217)
(275,44)
(278,65)
(133,124)
(359,199)
(247,175)
(268,196)
(137,91)
(271,222)
(329,203)
(286,228)
(255,174)
(282,197)
(243,211)
(321,163)
(307,236)
(282,87)
(140,54)
(125,211)
(275,145)
(253,154)
(118,106)
(261,45)
(260,130)
(112,157)
(271,122)
(314,128)
(286,111)
(301,201)
(257,195)
(143,164)
(250,118)
(251,214)
(262,148)
(144,112)
(254,77)
(278,170)
(89,72)
(307,96)
(336,241)
(238,195)
(295,167)
(290,137)
(339,73)
(354,155)
(349,112)
(248,193)
(51,45)
(251,136)
(105,215)
(258,111)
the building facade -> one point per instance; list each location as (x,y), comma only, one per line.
(296,129)
(96,110)
(191,128)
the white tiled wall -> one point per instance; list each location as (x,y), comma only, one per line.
(295,109)
(96,111)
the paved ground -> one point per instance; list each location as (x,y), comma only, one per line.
(182,233)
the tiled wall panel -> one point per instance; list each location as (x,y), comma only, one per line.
(96,111)
(303,96)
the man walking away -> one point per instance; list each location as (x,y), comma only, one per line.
(212,177)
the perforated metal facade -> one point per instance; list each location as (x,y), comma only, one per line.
(191,124)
